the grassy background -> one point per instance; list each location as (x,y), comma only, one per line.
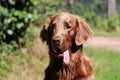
(105,63)
(104,33)
(30,61)
(27,58)
(31,67)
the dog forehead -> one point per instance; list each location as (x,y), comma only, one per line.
(64,17)
(63,20)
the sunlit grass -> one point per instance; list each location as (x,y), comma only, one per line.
(98,32)
(29,66)
(105,63)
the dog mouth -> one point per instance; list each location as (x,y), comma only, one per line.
(63,54)
(58,51)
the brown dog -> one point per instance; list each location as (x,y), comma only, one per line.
(65,34)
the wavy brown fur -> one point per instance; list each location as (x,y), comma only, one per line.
(79,67)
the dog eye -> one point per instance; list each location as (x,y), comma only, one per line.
(68,27)
(52,27)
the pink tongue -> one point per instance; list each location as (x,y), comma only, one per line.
(66,58)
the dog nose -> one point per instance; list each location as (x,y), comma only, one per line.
(56,40)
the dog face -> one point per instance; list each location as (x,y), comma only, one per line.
(64,30)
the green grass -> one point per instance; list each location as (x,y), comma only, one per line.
(105,63)
(26,65)
(99,32)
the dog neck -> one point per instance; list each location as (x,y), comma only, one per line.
(76,61)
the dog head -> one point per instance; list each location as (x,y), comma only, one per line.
(64,30)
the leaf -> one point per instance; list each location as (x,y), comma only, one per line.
(30,15)
(9,31)
(19,25)
(12,2)
(2,71)
(3,10)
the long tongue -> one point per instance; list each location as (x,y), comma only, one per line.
(66,58)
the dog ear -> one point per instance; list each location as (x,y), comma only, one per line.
(45,32)
(83,32)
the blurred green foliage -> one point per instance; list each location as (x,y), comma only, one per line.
(47,8)
(17,14)
(96,15)
(15,17)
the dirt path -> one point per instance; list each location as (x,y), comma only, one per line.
(112,43)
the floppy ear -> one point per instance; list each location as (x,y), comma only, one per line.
(45,32)
(83,32)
